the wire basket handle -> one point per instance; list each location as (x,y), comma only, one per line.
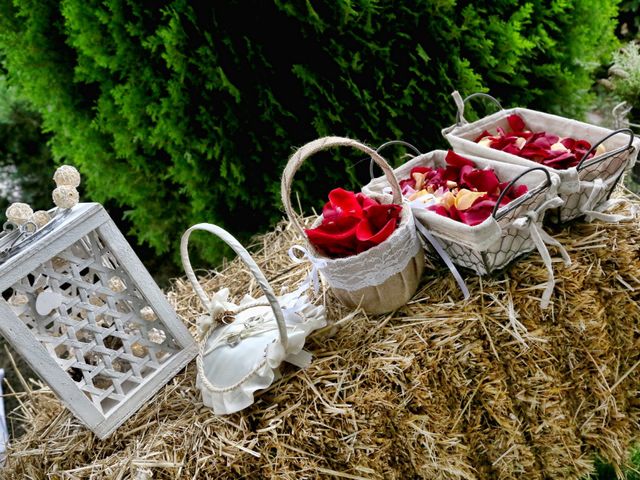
(595,146)
(319,145)
(388,144)
(513,182)
(460,103)
(247,260)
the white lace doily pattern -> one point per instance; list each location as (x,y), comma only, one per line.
(374,266)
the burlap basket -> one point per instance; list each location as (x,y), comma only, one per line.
(382,278)
(585,188)
(510,232)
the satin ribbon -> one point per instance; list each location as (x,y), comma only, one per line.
(445,257)
(541,239)
(417,204)
(597,213)
(265,324)
(317,264)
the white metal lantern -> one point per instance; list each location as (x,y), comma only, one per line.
(78,305)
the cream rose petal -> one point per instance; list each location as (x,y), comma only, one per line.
(559,147)
(466,198)
(485,142)
(447,200)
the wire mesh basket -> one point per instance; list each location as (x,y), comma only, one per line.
(500,239)
(585,188)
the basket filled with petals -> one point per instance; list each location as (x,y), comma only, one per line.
(365,246)
(485,214)
(589,160)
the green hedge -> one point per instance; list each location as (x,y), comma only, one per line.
(184,112)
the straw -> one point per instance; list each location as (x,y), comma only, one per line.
(490,388)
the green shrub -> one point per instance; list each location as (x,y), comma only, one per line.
(186,112)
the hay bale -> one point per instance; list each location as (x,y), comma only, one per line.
(491,388)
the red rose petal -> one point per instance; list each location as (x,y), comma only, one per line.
(366,202)
(341,203)
(379,215)
(478,213)
(336,238)
(455,160)
(482,180)
(370,236)
(483,135)
(516,123)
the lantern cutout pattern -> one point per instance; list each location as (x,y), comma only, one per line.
(78,305)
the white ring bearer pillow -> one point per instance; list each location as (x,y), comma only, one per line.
(242,345)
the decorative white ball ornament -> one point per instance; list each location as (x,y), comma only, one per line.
(67,175)
(66,196)
(19,213)
(40,218)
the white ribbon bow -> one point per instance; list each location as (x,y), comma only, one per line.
(541,239)
(218,304)
(317,264)
(597,213)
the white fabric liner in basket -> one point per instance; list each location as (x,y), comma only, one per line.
(244,344)
(380,279)
(584,188)
(515,229)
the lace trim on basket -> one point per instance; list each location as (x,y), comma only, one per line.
(373,267)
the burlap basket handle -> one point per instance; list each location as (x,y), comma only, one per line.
(460,120)
(513,182)
(606,155)
(319,145)
(388,144)
(246,259)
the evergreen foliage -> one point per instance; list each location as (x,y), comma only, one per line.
(187,111)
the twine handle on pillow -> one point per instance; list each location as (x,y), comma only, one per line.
(460,103)
(606,155)
(513,182)
(319,145)
(247,260)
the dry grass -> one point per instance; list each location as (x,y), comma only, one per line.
(491,388)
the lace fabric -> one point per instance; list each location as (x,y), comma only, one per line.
(374,266)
